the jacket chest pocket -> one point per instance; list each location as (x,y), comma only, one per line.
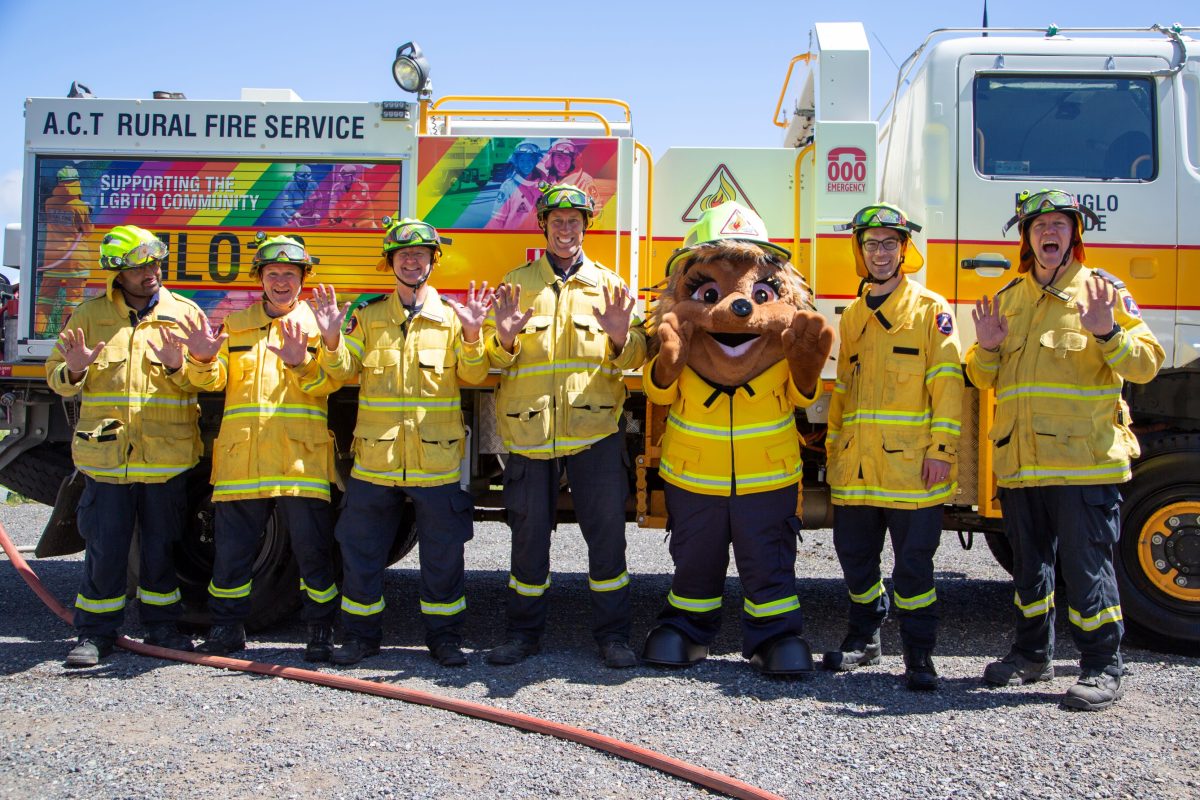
(376,447)
(535,336)
(1061,348)
(381,372)
(107,373)
(588,338)
(100,446)
(436,366)
(904,381)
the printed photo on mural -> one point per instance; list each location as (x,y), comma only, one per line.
(492,183)
(207,213)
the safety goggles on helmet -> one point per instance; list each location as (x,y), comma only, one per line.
(879,216)
(1032,204)
(563,147)
(141,255)
(292,252)
(527,148)
(564,195)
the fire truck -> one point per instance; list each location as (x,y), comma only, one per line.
(1112,116)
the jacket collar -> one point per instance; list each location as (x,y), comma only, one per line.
(588,273)
(432,309)
(890,316)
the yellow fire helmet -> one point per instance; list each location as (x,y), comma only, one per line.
(281,250)
(1045,201)
(727,221)
(883,215)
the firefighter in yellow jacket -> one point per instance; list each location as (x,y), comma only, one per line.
(739,349)
(136,438)
(274,450)
(1057,344)
(410,350)
(558,408)
(892,438)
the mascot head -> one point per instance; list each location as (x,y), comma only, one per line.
(738,289)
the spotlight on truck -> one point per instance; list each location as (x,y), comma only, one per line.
(411,68)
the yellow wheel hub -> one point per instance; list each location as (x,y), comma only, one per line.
(1169,550)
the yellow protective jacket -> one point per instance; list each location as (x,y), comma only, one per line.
(897,401)
(726,440)
(274,439)
(138,423)
(410,427)
(562,388)
(1060,419)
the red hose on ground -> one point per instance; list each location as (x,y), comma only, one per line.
(724,784)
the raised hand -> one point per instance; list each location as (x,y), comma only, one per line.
(674,338)
(806,344)
(170,351)
(75,352)
(1096,312)
(202,342)
(990,325)
(330,318)
(474,311)
(294,349)
(509,319)
(614,319)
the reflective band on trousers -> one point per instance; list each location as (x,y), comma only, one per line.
(698,605)
(319,595)
(445,609)
(619,582)
(919,601)
(360,610)
(869,596)
(1036,608)
(773,608)
(157,598)
(1110,614)
(230,594)
(528,589)
(99,606)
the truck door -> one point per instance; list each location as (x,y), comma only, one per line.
(1094,125)
(1187,345)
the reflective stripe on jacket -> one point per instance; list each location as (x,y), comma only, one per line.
(410,426)
(562,388)
(1060,419)
(137,423)
(897,401)
(274,439)
(722,440)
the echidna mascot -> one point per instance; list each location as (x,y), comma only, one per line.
(738,349)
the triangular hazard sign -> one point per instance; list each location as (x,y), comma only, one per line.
(720,187)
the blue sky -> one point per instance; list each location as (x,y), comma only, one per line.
(708,73)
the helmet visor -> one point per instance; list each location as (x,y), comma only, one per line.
(140,256)
(281,251)
(1053,200)
(409,234)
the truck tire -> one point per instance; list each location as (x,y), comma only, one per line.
(37,473)
(1158,557)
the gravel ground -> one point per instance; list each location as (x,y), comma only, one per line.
(140,727)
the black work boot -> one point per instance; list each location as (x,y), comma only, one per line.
(448,654)
(88,651)
(223,640)
(919,674)
(855,651)
(512,651)
(1015,670)
(617,654)
(353,650)
(1095,690)
(320,642)
(165,634)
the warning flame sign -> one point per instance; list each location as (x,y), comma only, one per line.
(721,187)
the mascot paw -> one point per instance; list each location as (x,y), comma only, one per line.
(807,343)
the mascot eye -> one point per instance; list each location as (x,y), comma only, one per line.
(764,293)
(707,293)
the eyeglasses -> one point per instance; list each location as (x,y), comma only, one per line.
(281,251)
(140,256)
(886,245)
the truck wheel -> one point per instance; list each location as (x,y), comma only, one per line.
(1158,557)
(37,473)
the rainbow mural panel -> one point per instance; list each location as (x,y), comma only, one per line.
(207,212)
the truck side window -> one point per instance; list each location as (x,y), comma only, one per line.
(1100,128)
